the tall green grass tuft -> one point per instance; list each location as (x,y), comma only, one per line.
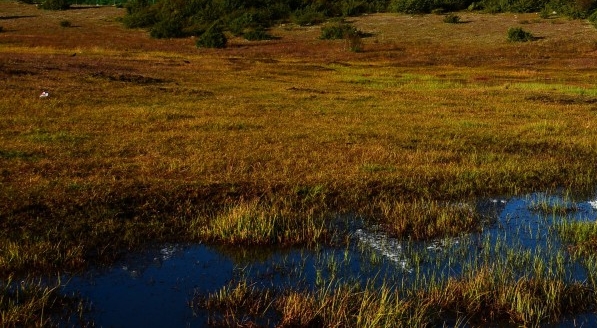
(582,236)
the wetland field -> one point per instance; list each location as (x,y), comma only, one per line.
(439,176)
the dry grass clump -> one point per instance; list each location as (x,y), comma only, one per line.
(425,220)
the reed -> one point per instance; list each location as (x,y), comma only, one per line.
(582,236)
(427,219)
(30,302)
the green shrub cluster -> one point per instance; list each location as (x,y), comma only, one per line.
(256,34)
(338,30)
(517,34)
(568,8)
(54,4)
(251,18)
(212,38)
(178,18)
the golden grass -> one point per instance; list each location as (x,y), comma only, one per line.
(480,298)
(147,140)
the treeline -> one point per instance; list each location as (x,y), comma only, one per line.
(66,4)
(179,18)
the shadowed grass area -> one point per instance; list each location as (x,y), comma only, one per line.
(33,303)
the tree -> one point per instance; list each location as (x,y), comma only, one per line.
(55,5)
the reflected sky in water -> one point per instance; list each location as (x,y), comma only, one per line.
(154,288)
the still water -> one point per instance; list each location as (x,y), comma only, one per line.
(155,288)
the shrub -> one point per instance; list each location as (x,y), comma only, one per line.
(238,25)
(452,19)
(353,7)
(171,28)
(212,38)
(593,18)
(1,29)
(140,19)
(55,5)
(338,30)
(517,34)
(307,16)
(411,6)
(256,35)
(65,23)
(194,30)
(546,12)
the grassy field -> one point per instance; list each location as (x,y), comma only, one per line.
(145,141)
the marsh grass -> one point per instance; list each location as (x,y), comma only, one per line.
(582,236)
(482,296)
(427,219)
(547,206)
(252,223)
(503,282)
(146,141)
(32,303)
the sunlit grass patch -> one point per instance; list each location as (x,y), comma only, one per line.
(581,235)
(254,223)
(427,219)
(478,298)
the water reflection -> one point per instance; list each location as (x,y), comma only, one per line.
(153,288)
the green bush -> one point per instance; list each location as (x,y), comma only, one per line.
(411,6)
(517,34)
(140,19)
(212,38)
(55,5)
(256,35)
(238,25)
(65,23)
(353,7)
(308,16)
(593,18)
(576,9)
(452,19)
(451,5)
(377,6)
(338,30)
(167,29)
